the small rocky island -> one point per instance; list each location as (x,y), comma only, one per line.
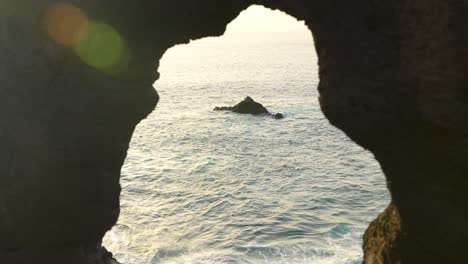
(249,106)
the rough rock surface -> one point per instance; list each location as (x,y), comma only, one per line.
(393,77)
(249,106)
(380,239)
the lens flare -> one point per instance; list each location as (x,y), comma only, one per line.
(98,44)
(65,24)
(103,48)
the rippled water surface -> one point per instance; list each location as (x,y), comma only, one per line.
(214,187)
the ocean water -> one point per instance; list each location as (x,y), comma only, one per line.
(208,187)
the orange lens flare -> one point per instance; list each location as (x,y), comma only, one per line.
(66,24)
(97,44)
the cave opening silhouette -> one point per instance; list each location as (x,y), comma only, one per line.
(188,168)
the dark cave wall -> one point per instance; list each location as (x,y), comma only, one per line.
(392,77)
(66,126)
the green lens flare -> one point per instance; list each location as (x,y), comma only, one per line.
(103,48)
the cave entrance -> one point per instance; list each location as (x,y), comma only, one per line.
(213,187)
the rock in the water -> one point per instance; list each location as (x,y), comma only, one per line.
(278,116)
(223,108)
(249,106)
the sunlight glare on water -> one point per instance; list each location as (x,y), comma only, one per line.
(214,187)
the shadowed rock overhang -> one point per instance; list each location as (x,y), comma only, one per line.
(393,78)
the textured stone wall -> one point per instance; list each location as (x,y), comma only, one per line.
(392,77)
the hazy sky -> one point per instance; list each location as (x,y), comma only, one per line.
(261,19)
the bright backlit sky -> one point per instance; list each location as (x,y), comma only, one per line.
(261,19)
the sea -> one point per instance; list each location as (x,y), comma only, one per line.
(206,187)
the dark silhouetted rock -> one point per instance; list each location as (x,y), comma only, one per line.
(223,108)
(249,106)
(393,77)
(278,116)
